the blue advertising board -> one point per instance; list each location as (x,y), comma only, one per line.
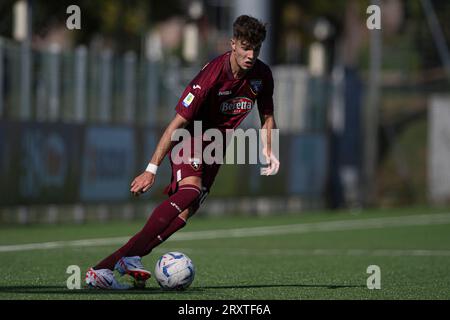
(38,162)
(308,162)
(108,163)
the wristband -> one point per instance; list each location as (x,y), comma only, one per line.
(152,168)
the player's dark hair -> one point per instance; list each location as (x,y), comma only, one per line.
(249,29)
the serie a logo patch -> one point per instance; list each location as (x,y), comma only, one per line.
(188,100)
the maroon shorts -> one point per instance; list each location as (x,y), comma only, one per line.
(189,168)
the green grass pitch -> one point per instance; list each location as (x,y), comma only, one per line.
(322,255)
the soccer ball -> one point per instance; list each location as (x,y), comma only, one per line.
(174,271)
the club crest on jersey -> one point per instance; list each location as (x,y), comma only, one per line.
(235,106)
(188,100)
(195,164)
(256,85)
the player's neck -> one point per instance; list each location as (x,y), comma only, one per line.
(236,70)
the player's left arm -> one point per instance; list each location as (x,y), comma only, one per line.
(267,125)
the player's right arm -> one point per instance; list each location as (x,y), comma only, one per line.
(145,180)
(186,109)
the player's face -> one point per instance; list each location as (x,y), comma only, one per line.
(245,53)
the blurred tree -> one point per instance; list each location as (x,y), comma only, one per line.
(423,38)
(121,23)
(6,17)
(296,19)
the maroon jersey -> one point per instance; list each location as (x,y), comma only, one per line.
(220,101)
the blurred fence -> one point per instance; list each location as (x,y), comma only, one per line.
(77,126)
(101,87)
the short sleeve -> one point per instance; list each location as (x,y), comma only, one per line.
(195,94)
(265,99)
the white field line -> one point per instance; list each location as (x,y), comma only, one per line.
(340,225)
(316,252)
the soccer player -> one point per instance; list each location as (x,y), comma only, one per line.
(221,96)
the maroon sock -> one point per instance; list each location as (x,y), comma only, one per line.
(160,220)
(174,226)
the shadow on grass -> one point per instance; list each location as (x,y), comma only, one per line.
(327,286)
(84,290)
(154,290)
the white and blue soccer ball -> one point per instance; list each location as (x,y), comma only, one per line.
(174,271)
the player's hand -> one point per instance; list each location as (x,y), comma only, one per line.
(273,164)
(142,183)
